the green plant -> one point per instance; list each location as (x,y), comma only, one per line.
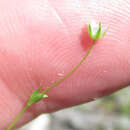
(36,96)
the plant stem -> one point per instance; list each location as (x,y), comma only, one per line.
(18,117)
(55,84)
(73,70)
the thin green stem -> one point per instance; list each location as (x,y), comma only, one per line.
(52,86)
(73,70)
(18,117)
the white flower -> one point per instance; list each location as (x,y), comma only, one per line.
(95,31)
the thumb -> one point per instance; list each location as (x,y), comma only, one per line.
(44,41)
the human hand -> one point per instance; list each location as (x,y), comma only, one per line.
(43,40)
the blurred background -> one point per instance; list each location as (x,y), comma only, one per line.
(108,113)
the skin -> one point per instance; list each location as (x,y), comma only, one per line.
(40,39)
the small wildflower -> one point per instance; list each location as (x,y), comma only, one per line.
(95,31)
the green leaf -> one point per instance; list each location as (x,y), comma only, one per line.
(36,96)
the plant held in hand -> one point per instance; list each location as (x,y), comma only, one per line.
(95,33)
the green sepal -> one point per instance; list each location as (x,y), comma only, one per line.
(36,96)
(98,33)
(90,31)
(104,33)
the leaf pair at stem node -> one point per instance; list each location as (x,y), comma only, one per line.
(36,96)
